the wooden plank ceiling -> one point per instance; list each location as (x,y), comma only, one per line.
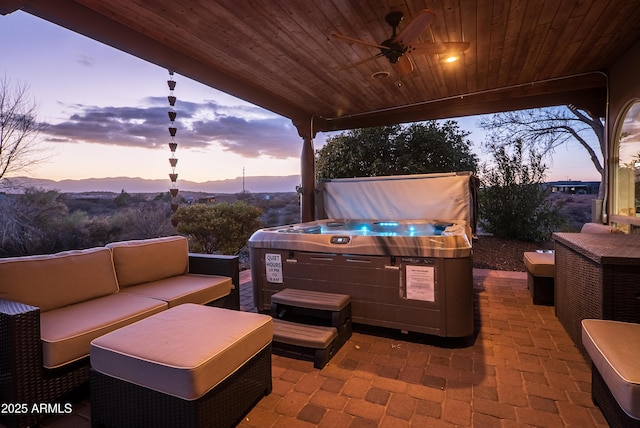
(280,54)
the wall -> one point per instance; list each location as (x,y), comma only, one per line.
(624,87)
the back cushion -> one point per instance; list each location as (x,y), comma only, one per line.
(146,260)
(597,228)
(55,280)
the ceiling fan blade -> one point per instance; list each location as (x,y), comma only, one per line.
(438,48)
(361,62)
(404,65)
(358,41)
(415,27)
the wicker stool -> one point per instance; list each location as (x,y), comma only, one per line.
(614,347)
(189,366)
(540,276)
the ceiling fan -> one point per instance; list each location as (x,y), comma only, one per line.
(399,45)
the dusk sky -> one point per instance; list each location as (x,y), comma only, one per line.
(106,115)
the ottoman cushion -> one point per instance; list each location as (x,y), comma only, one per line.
(540,264)
(184,351)
(614,347)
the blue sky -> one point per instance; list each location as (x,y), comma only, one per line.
(106,115)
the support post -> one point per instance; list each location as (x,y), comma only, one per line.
(308,185)
(307,170)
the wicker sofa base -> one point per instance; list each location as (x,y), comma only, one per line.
(22,378)
(118,403)
(602,397)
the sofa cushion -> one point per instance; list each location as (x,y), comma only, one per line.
(55,280)
(67,332)
(190,288)
(146,260)
(185,351)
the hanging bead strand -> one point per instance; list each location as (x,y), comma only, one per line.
(173,161)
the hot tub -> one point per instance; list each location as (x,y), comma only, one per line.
(414,275)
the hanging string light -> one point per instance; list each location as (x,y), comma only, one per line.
(173,161)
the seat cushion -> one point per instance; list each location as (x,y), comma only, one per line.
(146,260)
(614,347)
(55,280)
(67,332)
(190,288)
(540,264)
(185,351)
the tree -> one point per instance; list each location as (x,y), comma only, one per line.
(220,228)
(123,199)
(547,129)
(396,150)
(19,128)
(513,201)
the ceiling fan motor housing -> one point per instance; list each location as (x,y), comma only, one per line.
(394,52)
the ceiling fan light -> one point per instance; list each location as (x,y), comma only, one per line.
(449,58)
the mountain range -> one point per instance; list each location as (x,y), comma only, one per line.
(253,184)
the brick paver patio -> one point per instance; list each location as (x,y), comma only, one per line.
(521,370)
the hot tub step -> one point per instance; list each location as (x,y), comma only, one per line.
(291,336)
(311,299)
(314,307)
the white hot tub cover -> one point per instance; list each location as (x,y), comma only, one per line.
(439,197)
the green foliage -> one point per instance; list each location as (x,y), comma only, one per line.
(419,148)
(513,202)
(220,228)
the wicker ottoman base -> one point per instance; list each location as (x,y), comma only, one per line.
(602,397)
(117,403)
(541,289)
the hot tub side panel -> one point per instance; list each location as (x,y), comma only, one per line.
(378,287)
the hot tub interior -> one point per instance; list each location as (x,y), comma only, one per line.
(369,228)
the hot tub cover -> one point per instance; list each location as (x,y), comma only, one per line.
(438,197)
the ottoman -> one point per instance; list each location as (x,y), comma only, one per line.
(540,276)
(189,366)
(613,347)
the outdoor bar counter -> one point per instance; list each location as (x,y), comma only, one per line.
(597,276)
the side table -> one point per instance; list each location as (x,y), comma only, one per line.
(597,276)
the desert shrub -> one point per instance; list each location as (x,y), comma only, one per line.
(220,228)
(36,222)
(41,221)
(513,202)
(142,221)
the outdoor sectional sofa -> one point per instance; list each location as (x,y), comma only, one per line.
(53,306)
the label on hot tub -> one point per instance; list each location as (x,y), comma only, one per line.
(420,282)
(273,264)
